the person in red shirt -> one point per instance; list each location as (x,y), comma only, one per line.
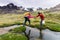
(41,17)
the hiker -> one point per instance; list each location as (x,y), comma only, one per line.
(27,17)
(42,18)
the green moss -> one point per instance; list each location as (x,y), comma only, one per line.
(53,26)
(13,36)
(18,23)
(6,25)
(18,29)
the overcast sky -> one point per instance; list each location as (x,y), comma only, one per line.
(31,3)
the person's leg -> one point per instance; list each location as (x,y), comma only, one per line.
(25,21)
(29,22)
(41,23)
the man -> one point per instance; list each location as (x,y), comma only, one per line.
(42,18)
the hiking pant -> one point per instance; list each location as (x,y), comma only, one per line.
(41,24)
(26,19)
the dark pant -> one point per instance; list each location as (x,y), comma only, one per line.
(41,24)
(26,19)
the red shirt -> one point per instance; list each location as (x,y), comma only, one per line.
(41,16)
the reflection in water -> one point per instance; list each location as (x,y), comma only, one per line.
(34,33)
(47,34)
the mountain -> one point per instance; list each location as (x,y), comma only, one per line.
(9,6)
(56,8)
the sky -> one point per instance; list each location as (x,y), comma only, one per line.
(32,3)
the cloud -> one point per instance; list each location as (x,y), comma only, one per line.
(32,3)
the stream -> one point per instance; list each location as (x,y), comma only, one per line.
(35,33)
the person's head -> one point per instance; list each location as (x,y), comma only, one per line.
(28,13)
(39,12)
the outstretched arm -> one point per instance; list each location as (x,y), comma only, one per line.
(31,16)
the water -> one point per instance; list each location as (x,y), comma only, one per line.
(50,35)
(47,34)
(6,29)
(35,33)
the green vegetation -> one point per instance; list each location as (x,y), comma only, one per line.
(10,19)
(53,26)
(52,20)
(18,29)
(12,36)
